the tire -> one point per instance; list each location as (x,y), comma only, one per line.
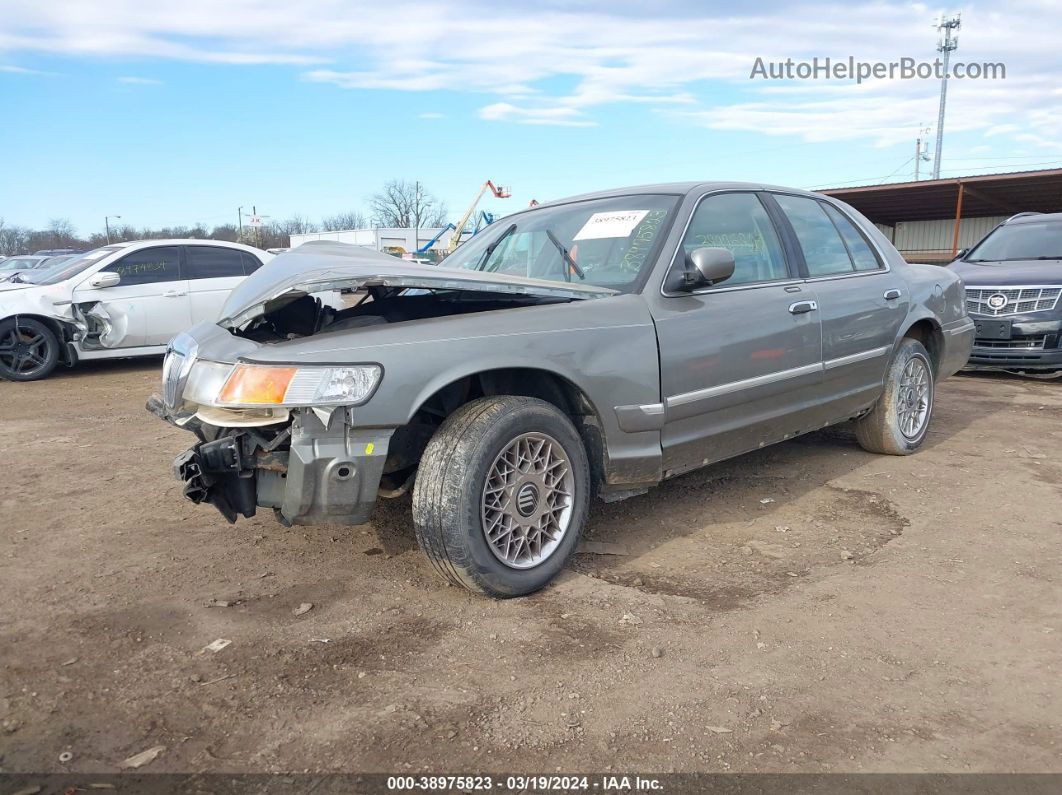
(496,439)
(890,428)
(29,350)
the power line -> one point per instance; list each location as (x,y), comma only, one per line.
(996,157)
(869,180)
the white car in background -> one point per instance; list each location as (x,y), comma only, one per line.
(127,299)
(9,266)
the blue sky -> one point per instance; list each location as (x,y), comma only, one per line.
(178,115)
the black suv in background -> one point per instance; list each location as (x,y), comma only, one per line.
(1013,284)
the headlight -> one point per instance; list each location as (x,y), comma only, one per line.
(261,385)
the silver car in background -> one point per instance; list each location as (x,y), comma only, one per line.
(591,346)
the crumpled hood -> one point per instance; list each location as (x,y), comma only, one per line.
(1016,272)
(323,265)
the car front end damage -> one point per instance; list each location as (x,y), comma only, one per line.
(285,427)
(300,455)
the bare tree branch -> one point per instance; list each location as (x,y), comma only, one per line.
(341,222)
(401,204)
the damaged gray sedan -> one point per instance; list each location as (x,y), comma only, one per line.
(592,346)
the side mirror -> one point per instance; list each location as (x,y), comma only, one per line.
(708,266)
(105,279)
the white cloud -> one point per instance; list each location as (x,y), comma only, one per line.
(553,64)
(21,70)
(556,116)
(140,81)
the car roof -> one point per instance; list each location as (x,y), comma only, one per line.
(1034,218)
(183,241)
(677,188)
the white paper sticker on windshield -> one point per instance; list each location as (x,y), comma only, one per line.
(614,224)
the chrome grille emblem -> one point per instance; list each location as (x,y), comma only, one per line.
(1017,300)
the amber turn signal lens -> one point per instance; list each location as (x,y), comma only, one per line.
(254,385)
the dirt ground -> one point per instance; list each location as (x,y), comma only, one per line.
(809,607)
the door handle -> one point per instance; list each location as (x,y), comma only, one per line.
(173,294)
(892,295)
(800,307)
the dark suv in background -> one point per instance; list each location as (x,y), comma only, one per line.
(1013,284)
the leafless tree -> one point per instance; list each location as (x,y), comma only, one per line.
(227,232)
(62,232)
(406,205)
(339,222)
(296,225)
(13,239)
(398,204)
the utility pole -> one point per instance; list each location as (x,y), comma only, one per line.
(947,43)
(416,218)
(107,225)
(239,216)
(921,152)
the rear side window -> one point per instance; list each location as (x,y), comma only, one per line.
(251,263)
(862,254)
(150,265)
(212,262)
(824,251)
(739,223)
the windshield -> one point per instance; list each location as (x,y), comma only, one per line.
(1024,241)
(68,267)
(600,242)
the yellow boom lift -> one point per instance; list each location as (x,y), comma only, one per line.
(499,193)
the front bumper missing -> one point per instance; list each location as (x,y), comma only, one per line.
(215,472)
(329,473)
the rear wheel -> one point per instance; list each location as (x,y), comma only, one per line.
(502,495)
(29,350)
(899,421)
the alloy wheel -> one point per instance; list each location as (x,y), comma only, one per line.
(913,397)
(23,351)
(527,500)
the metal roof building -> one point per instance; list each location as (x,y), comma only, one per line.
(931,220)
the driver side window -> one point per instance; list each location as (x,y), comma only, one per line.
(150,265)
(739,223)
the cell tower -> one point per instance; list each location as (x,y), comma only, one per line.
(946,44)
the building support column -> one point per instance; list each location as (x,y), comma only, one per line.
(958,218)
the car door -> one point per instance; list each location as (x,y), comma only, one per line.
(148,306)
(861,303)
(212,272)
(740,361)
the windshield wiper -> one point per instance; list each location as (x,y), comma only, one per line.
(490,249)
(1013,259)
(572,266)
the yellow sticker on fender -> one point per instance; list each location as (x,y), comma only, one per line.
(369,448)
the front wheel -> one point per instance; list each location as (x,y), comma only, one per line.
(29,350)
(502,494)
(899,421)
